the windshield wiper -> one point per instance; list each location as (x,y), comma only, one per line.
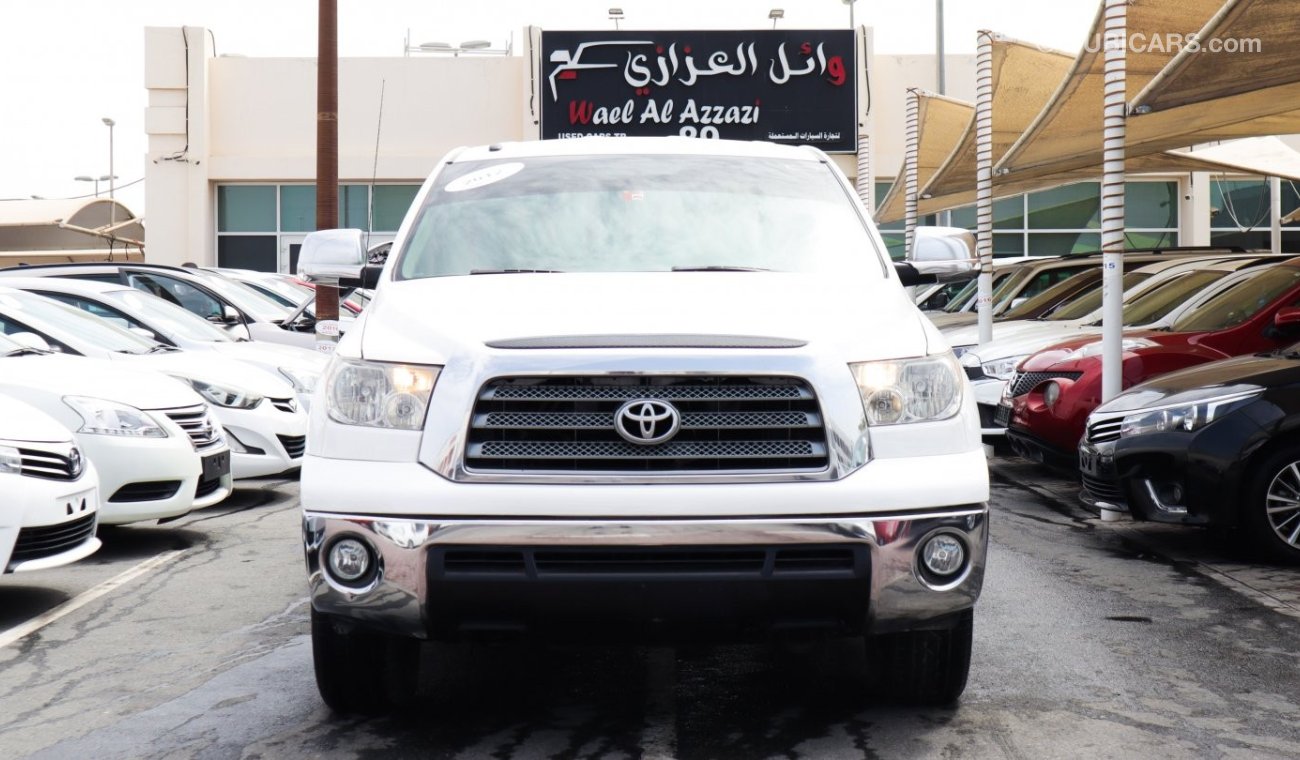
(720,268)
(161,348)
(25,350)
(515,271)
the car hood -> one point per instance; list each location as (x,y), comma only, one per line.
(212,368)
(23,422)
(1017,338)
(1241,373)
(82,376)
(1137,345)
(857,319)
(272,356)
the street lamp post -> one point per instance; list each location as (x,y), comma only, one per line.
(96,180)
(110,124)
(850,3)
(775,14)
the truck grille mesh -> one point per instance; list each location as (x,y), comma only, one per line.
(567,425)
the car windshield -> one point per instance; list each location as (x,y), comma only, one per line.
(167,318)
(632,213)
(1156,303)
(1239,303)
(68,324)
(966,296)
(283,291)
(260,306)
(1088,301)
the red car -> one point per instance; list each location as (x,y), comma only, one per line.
(1053,390)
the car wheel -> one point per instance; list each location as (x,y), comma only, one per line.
(1272,518)
(359,670)
(926,667)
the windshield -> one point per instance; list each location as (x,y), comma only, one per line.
(629,213)
(1156,303)
(1239,303)
(283,291)
(1085,303)
(67,324)
(260,306)
(966,296)
(168,318)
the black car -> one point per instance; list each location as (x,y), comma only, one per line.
(1217,444)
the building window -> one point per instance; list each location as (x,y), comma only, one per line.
(1240,214)
(261,226)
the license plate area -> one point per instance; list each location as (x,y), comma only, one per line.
(216,465)
(1002,415)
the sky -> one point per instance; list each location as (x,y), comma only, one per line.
(66,64)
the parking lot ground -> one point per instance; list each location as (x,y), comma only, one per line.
(1091,641)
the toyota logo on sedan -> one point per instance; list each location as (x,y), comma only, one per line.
(647,421)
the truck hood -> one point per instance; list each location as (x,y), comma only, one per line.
(82,376)
(857,319)
(22,422)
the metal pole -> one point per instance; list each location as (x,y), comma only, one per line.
(910,158)
(939,78)
(327,162)
(1114,134)
(984,182)
(1275,200)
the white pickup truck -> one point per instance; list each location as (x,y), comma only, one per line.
(657,386)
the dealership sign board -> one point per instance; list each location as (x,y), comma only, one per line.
(795,87)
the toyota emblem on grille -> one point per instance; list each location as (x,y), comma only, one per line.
(647,421)
(75,463)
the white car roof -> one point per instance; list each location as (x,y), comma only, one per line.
(62,285)
(615,146)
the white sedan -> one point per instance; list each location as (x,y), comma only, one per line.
(158,452)
(158,319)
(265,426)
(51,492)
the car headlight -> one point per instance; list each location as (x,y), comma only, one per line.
(910,390)
(1094,348)
(10,460)
(303,381)
(375,394)
(103,417)
(224,395)
(1185,417)
(1002,369)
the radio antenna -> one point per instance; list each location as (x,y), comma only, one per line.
(374,170)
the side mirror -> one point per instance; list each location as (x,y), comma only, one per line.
(331,255)
(30,340)
(940,254)
(1287,317)
(142,332)
(229,315)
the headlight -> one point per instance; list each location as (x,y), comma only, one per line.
(303,381)
(1002,369)
(103,417)
(10,460)
(1094,349)
(377,394)
(1185,417)
(224,395)
(909,390)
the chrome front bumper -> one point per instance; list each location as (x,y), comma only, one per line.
(397,599)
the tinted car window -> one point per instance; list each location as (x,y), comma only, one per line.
(1159,301)
(1238,304)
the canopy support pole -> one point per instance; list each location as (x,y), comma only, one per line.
(863,180)
(1275,200)
(1114,134)
(984,183)
(910,169)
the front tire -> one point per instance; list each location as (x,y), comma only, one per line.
(1272,513)
(924,667)
(360,670)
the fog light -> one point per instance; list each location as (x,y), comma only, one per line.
(943,555)
(349,560)
(1051,393)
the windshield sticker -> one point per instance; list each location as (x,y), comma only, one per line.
(483,177)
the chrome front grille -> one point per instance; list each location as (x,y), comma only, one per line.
(197,424)
(284,404)
(51,465)
(1024,382)
(566,424)
(1102,431)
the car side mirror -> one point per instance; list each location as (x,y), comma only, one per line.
(229,315)
(30,340)
(331,255)
(939,254)
(1288,317)
(142,332)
